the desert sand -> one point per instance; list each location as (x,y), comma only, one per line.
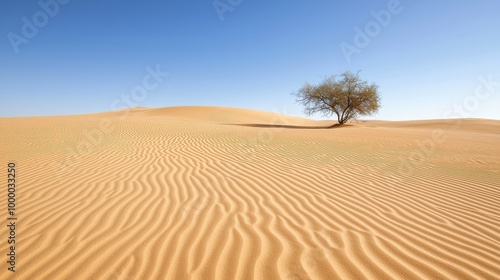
(225,193)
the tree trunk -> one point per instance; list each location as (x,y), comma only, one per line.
(340,120)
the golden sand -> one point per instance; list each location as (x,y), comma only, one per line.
(191,193)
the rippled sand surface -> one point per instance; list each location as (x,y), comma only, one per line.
(224,193)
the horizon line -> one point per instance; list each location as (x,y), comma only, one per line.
(178,106)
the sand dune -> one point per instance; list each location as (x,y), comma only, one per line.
(190,193)
(464,125)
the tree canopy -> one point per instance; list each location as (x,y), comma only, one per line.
(345,95)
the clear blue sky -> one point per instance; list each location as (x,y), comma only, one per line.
(86,54)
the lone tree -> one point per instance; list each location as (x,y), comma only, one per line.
(347,97)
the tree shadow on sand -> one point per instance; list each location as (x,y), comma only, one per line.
(287,126)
